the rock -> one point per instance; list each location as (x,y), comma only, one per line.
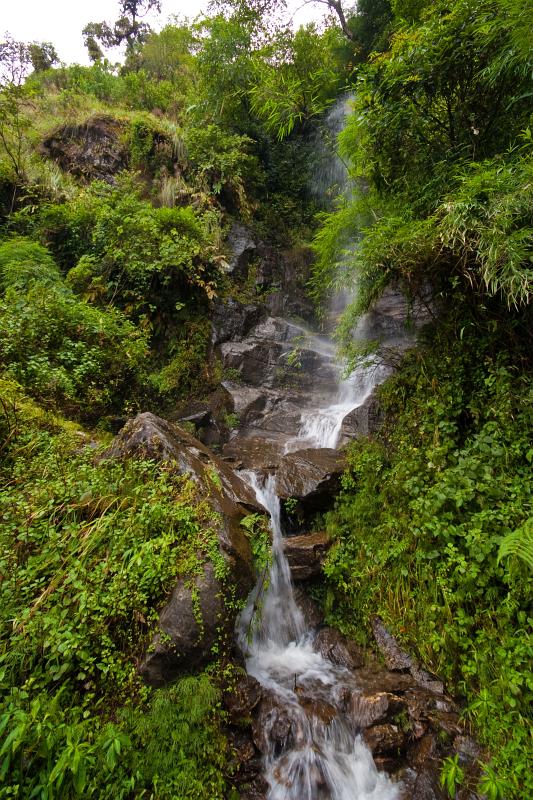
(257,362)
(209,417)
(232,321)
(256,790)
(195,615)
(362,421)
(187,630)
(241,700)
(312,613)
(198,413)
(468,750)
(150,437)
(92,151)
(272,724)
(427,787)
(315,707)
(384,739)
(254,452)
(423,751)
(426,709)
(372,679)
(394,320)
(332,645)
(242,746)
(398,659)
(395,657)
(365,710)
(242,248)
(310,475)
(276,353)
(306,554)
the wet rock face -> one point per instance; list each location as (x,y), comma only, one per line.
(306,554)
(311,476)
(242,699)
(92,151)
(312,613)
(385,739)
(362,421)
(232,321)
(400,721)
(273,723)
(335,647)
(196,614)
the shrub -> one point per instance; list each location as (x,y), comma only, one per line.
(63,350)
(23,262)
(88,551)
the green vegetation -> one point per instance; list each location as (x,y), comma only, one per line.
(440,500)
(118,186)
(90,548)
(441,503)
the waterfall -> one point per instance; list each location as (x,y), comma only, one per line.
(313,749)
(323,756)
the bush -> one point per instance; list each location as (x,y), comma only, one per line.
(65,351)
(23,262)
(125,252)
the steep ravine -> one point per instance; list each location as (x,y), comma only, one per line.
(328,720)
(314,718)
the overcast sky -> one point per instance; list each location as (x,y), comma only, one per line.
(61,21)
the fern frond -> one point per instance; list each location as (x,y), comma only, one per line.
(519,543)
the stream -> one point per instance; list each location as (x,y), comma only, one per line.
(318,754)
(322,756)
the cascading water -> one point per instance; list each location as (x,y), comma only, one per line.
(322,757)
(313,748)
(321,427)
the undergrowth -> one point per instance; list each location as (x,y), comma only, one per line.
(441,503)
(89,549)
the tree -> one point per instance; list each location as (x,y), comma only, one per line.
(15,61)
(168,55)
(127,29)
(43,56)
(296,78)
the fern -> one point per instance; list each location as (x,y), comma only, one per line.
(519,543)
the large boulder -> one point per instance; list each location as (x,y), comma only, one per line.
(150,437)
(311,476)
(94,150)
(306,554)
(196,614)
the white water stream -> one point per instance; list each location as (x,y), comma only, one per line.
(313,748)
(321,755)
(321,427)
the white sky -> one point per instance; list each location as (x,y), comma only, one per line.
(61,21)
